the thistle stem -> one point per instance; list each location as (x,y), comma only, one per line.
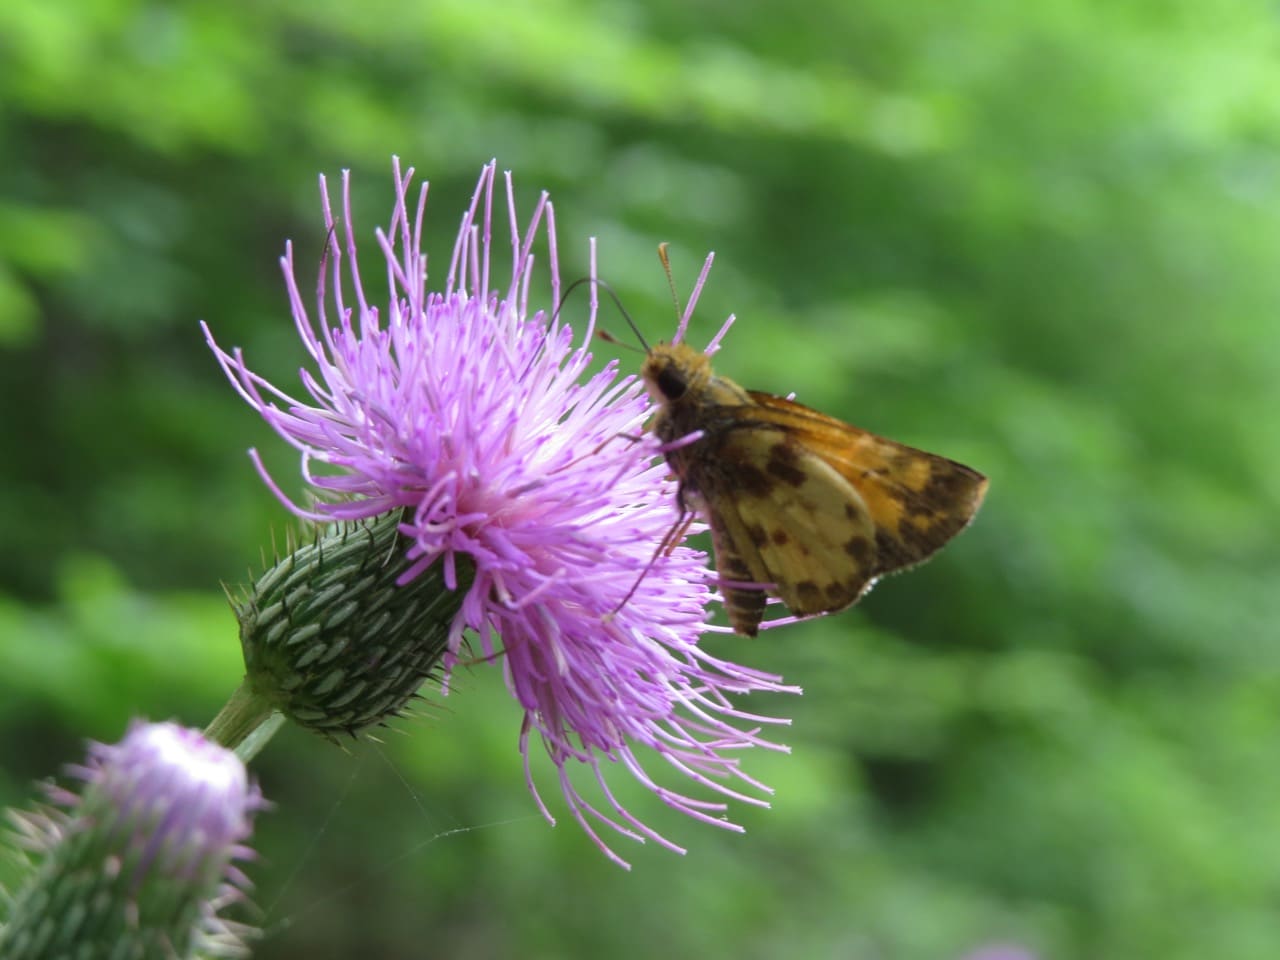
(245,723)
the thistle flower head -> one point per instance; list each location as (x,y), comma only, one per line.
(477,415)
(141,858)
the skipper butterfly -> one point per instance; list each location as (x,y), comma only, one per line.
(800,504)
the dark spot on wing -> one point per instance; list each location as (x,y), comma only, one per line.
(950,489)
(751,480)
(914,543)
(839,595)
(785,465)
(860,549)
(891,553)
(780,537)
(808,598)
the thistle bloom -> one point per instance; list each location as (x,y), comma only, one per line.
(480,420)
(140,863)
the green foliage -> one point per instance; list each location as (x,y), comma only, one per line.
(1036,237)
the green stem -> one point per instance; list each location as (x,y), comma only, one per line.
(245,724)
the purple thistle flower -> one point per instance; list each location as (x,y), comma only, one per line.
(140,863)
(480,419)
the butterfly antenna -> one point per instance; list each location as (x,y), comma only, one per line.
(617,302)
(666,268)
(608,337)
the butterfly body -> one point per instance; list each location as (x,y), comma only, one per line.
(799,504)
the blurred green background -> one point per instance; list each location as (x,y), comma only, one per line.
(1040,238)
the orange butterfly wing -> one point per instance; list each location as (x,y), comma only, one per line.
(819,509)
(917,500)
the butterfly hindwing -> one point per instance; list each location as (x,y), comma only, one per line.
(787,519)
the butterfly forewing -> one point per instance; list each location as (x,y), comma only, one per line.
(917,500)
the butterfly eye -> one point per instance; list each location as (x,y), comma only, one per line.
(672,383)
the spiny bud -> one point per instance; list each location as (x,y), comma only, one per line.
(137,866)
(334,641)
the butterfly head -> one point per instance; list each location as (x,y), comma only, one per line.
(672,371)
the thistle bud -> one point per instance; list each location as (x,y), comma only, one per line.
(138,864)
(331,637)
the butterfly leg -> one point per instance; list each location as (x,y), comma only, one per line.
(666,546)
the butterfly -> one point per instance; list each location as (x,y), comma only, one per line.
(799,504)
